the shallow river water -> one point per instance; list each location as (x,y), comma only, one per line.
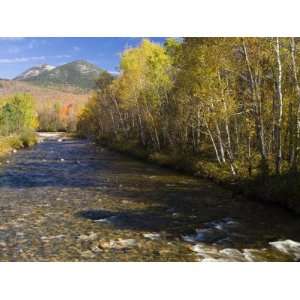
(68,200)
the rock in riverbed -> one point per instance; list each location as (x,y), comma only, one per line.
(87,254)
(279,251)
(152,236)
(288,247)
(118,244)
(92,236)
(212,232)
(207,235)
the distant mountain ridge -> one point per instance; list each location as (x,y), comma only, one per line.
(34,72)
(80,73)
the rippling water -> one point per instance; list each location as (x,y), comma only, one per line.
(71,201)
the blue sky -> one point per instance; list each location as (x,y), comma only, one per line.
(19,54)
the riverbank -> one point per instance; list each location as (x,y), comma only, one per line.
(283,190)
(12,143)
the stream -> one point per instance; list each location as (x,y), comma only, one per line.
(67,200)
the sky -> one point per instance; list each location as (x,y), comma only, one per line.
(20,54)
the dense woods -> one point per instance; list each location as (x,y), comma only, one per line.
(227,107)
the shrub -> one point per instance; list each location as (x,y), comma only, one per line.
(28,138)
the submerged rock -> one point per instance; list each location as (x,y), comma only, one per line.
(212,232)
(223,224)
(226,242)
(171,210)
(109,220)
(207,235)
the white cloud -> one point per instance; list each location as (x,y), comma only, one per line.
(114,72)
(62,56)
(20,59)
(17,48)
(34,43)
(11,38)
(30,58)
(76,48)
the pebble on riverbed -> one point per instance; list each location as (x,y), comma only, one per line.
(48,238)
(87,254)
(152,236)
(118,244)
(92,236)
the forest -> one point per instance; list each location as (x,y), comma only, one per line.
(223,108)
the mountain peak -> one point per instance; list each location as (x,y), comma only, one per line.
(34,71)
(79,73)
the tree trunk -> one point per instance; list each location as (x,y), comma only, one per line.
(279,106)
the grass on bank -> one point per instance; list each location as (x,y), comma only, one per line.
(24,139)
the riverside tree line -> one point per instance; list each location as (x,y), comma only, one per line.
(231,102)
(22,112)
(21,115)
